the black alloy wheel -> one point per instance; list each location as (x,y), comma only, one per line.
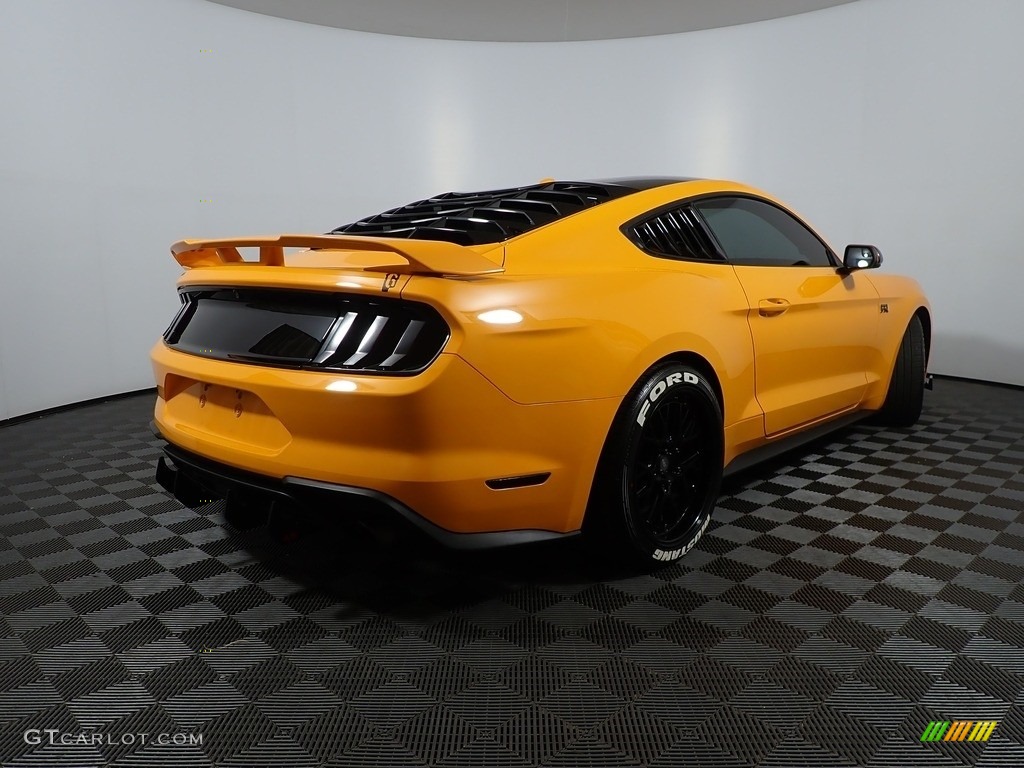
(661,469)
(668,479)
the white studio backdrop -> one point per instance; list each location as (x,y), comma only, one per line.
(127,125)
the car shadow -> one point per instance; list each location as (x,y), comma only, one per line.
(405,576)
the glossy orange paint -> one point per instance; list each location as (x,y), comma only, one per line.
(787,347)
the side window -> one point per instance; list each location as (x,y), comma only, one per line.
(673,234)
(754,232)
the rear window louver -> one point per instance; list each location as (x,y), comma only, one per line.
(298,329)
(477,218)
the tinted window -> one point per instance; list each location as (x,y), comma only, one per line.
(753,232)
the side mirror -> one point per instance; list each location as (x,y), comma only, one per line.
(862,257)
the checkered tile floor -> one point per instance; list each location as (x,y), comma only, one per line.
(843,599)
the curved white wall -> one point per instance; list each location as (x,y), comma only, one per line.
(896,122)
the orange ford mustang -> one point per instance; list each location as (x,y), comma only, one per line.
(528,363)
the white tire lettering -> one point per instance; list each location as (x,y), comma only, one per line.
(675,554)
(642,416)
(659,389)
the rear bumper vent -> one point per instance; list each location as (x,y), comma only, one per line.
(322,331)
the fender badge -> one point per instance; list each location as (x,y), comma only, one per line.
(389,282)
(884,308)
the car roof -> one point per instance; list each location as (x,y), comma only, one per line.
(645,182)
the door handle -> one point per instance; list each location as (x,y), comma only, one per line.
(772,307)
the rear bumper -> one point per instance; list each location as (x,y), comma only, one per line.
(194,480)
(445,447)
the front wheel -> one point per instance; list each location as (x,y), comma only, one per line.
(659,474)
(904,400)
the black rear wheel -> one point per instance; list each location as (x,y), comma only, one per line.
(659,474)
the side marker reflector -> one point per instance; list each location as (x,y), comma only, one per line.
(519,481)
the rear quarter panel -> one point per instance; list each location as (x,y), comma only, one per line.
(597,313)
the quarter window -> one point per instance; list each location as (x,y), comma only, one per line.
(752,232)
(673,234)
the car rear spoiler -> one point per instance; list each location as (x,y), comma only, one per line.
(425,257)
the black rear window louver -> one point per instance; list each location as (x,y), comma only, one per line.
(477,218)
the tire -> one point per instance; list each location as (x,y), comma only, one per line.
(902,406)
(658,478)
